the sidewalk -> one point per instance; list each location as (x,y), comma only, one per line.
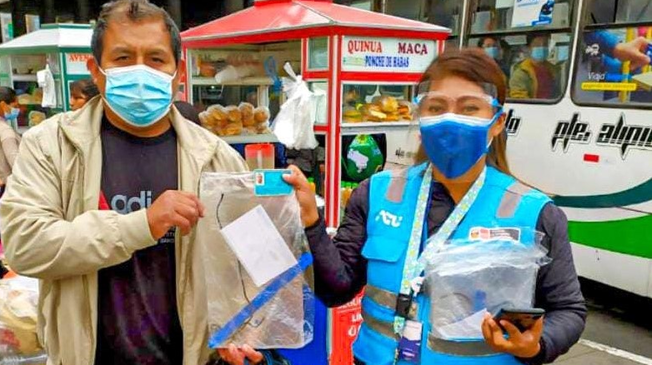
(589,353)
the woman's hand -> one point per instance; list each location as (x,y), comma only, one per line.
(520,344)
(309,213)
(236,356)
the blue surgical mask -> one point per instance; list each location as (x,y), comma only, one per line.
(138,94)
(562,53)
(13,114)
(539,54)
(454,143)
(493,52)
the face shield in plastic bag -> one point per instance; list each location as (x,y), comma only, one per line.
(467,278)
(243,307)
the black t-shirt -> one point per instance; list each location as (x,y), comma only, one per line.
(137,306)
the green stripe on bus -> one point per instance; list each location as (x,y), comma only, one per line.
(628,236)
(636,195)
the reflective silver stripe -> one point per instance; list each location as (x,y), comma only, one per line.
(387,299)
(511,199)
(474,348)
(397,186)
(384,328)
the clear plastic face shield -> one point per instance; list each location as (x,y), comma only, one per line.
(455,119)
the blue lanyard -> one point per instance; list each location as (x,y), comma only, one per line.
(415,263)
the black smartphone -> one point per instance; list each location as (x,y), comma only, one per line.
(522,318)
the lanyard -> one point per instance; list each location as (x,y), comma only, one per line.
(415,264)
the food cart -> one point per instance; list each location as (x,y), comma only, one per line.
(64,47)
(366,64)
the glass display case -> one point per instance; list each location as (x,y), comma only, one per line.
(377,103)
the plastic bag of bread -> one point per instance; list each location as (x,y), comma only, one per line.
(18,316)
(35,118)
(406,110)
(247,111)
(373,113)
(233,125)
(261,118)
(388,104)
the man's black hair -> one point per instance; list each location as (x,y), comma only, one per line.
(135,11)
(7,94)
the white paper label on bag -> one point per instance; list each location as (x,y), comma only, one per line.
(258,245)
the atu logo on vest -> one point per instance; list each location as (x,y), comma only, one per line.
(125,205)
(389,219)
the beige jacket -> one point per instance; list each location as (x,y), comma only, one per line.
(53,231)
(9,142)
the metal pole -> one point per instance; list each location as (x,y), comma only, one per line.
(174,9)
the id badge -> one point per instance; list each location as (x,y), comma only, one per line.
(271,183)
(409,347)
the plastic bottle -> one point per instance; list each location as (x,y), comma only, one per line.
(24,360)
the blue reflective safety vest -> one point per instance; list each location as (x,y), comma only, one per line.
(502,202)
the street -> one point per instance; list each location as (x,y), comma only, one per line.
(618,330)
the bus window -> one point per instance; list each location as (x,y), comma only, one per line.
(613,58)
(446,13)
(534,59)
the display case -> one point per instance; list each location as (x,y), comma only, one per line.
(236,78)
(65,48)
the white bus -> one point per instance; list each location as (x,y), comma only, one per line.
(580,115)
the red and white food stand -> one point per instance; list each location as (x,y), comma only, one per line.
(357,58)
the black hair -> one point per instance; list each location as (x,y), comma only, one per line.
(7,94)
(188,111)
(530,37)
(86,87)
(135,11)
(481,40)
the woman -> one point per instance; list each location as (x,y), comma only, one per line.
(81,91)
(460,115)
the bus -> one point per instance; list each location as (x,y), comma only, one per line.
(579,114)
(580,121)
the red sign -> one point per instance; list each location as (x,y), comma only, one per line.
(345,324)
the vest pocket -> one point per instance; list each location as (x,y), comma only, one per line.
(385,258)
(374,348)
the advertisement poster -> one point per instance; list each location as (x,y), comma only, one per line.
(364,54)
(7,24)
(528,13)
(76,63)
(602,77)
(32,22)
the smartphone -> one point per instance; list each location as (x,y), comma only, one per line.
(522,318)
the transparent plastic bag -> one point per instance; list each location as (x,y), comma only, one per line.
(294,123)
(18,316)
(279,314)
(467,278)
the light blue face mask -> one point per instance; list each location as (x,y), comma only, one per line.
(13,114)
(139,94)
(562,53)
(493,52)
(539,54)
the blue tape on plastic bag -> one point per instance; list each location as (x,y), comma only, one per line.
(259,301)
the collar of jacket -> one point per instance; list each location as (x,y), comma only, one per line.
(82,128)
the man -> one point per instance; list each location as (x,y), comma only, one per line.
(9,139)
(535,77)
(96,195)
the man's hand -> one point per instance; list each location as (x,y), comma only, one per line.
(520,344)
(633,51)
(174,209)
(305,196)
(236,356)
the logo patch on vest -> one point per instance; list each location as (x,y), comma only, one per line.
(389,219)
(490,234)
